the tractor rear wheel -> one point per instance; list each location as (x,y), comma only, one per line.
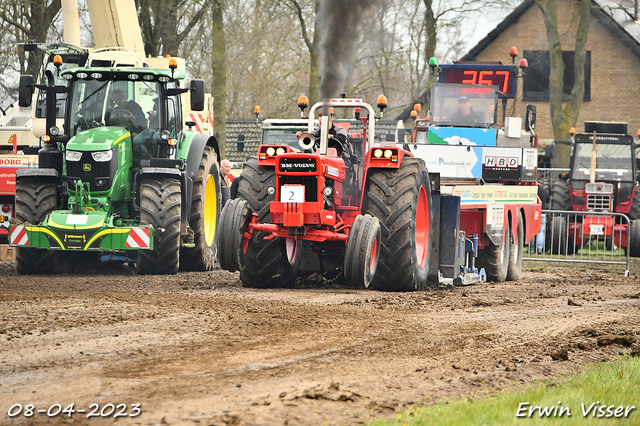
(633,238)
(160,203)
(35,199)
(268,263)
(515,254)
(401,200)
(560,199)
(232,247)
(362,252)
(495,258)
(206,204)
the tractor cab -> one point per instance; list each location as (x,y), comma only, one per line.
(611,186)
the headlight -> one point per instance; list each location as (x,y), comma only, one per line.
(387,153)
(102,156)
(327,191)
(73,155)
(377,153)
(271,151)
(280,151)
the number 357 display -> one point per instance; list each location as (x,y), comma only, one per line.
(292,194)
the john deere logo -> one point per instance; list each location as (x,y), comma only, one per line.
(86,167)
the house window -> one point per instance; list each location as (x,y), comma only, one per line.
(536,78)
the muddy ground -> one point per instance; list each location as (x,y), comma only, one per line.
(198,349)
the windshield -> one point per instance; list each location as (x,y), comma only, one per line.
(122,103)
(281,137)
(613,162)
(463,105)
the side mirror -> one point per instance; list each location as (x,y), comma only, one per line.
(196,92)
(25,91)
(530,117)
(240,142)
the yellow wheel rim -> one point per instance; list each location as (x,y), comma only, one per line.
(210,210)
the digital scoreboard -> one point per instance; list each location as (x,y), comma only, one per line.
(505,77)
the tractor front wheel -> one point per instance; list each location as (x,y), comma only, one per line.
(160,202)
(362,252)
(232,246)
(270,261)
(495,258)
(35,200)
(515,254)
(401,200)
(205,210)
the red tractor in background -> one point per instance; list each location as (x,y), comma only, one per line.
(602,179)
(299,212)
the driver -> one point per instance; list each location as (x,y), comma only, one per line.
(338,139)
(465,113)
(120,101)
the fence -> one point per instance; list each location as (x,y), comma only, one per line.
(587,237)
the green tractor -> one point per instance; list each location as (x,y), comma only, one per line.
(115,184)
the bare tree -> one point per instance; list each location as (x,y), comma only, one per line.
(28,21)
(562,119)
(219,73)
(166,23)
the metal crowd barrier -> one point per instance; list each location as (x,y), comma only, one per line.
(551,174)
(587,237)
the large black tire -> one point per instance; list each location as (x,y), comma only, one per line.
(160,202)
(232,247)
(560,199)
(206,204)
(633,238)
(495,259)
(362,252)
(401,200)
(634,214)
(35,199)
(515,253)
(267,264)
(560,243)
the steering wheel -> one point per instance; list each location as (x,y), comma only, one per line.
(124,118)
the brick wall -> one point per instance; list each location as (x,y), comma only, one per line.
(615,70)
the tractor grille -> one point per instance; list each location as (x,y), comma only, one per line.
(310,185)
(296,164)
(599,202)
(98,175)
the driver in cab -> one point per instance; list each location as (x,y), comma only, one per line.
(465,113)
(120,102)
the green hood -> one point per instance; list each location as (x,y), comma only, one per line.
(98,139)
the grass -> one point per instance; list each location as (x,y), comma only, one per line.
(614,383)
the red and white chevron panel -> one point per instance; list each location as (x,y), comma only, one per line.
(19,236)
(202,124)
(138,238)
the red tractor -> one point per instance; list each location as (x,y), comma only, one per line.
(300,210)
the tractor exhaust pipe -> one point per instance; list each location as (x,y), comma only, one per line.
(324,130)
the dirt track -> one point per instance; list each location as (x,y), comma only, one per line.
(197,348)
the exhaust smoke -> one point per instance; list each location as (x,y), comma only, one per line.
(340,29)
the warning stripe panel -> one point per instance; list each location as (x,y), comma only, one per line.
(138,238)
(19,236)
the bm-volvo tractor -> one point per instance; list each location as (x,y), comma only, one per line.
(368,221)
(118,181)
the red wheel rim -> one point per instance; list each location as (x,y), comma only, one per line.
(422,227)
(374,251)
